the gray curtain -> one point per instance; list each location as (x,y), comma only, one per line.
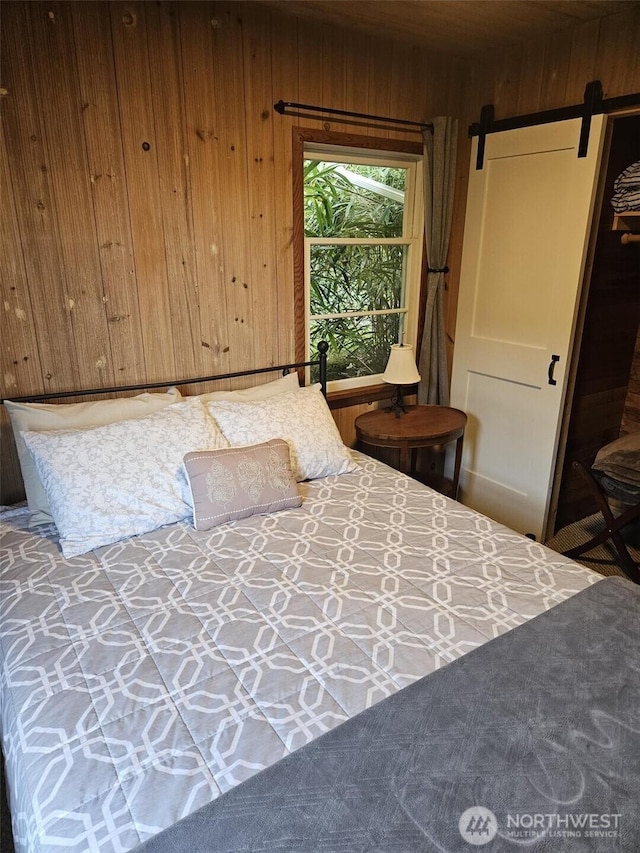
(439,177)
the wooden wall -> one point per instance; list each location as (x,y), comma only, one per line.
(146,180)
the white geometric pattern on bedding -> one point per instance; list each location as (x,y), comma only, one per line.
(141,683)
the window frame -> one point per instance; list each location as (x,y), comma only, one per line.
(341,147)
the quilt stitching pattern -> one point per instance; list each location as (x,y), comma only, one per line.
(189,660)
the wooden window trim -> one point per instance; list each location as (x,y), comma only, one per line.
(367,394)
(300,137)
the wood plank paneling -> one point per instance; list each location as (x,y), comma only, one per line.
(334,67)
(377,83)
(284,76)
(532,74)
(402,103)
(198,24)
(19,354)
(459,27)
(556,71)
(235,244)
(35,215)
(174,189)
(582,59)
(259,118)
(356,82)
(507,90)
(139,144)
(53,59)
(103,142)
(618,49)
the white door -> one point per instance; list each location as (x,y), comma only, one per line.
(526,233)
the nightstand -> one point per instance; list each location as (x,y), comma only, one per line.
(419,426)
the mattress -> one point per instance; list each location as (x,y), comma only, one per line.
(141,681)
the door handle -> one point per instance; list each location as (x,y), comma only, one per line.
(552,366)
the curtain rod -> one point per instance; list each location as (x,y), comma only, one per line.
(281,106)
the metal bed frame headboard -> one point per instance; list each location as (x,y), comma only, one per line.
(320,362)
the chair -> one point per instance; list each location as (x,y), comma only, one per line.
(614,483)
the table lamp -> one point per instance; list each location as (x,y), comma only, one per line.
(400,370)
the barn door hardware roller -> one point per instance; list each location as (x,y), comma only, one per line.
(592,104)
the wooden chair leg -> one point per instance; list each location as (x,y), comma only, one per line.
(612,528)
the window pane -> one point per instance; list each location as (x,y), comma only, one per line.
(348,200)
(358,346)
(356,278)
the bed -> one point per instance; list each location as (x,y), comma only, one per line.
(145,678)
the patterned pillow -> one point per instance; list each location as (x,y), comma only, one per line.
(50,416)
(240,482)
(256,392)
(302,418)
(109,482)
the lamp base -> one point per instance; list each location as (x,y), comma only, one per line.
(397,403)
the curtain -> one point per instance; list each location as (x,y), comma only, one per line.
(439,177)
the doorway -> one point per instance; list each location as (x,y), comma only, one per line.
(529,211)
(606,396)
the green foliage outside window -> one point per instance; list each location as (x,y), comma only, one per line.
(358,276)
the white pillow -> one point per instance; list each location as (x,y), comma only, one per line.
(121,479)
(257,392)
(301,417)
(48,416)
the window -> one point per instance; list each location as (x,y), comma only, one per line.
(362,254)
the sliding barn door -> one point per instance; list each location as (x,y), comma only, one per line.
(526,232)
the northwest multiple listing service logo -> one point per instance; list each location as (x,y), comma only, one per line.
(479,825)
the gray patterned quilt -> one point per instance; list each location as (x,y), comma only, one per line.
(505,747)
(143,680)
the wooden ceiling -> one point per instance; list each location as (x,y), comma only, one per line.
(460,27)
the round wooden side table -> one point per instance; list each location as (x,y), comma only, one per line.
(419,426)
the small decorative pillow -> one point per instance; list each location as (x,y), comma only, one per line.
(110,482)
(302,418)
(239,482)
(55,416)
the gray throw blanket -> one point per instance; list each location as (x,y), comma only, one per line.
(529,743)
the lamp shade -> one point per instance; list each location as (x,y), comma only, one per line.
(401,368)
